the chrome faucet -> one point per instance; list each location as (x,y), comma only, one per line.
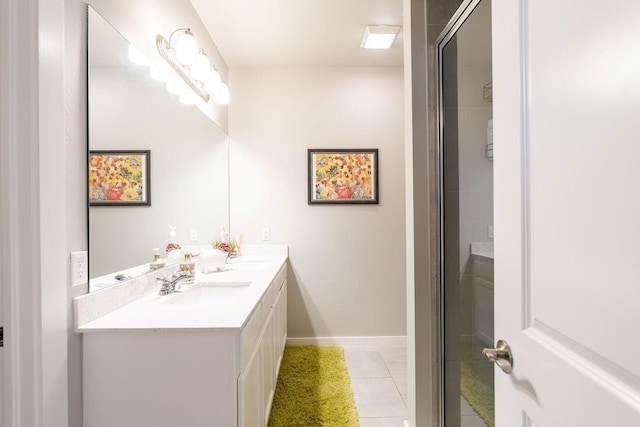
(172,285)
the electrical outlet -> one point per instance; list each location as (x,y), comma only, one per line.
(266,235)
(193,235)
(79,268)
(490,231)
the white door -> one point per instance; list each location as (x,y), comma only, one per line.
(567,211)
(2,384)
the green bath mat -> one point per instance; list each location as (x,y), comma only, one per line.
(313,389)
(476,381)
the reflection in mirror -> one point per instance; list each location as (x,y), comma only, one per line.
(188,178)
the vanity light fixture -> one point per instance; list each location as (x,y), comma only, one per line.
(181,52)
(379,36)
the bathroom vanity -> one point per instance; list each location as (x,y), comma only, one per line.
(208,355)
(482,286)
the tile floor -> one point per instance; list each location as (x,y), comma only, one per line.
(379,383)
(469,418)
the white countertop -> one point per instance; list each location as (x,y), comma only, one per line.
(154,312)
(482,250)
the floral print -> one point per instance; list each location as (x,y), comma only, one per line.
(116,177)
(343,176)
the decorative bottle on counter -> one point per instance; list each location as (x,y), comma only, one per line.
(224,236)
(174,255)
(157,262)
(187,266)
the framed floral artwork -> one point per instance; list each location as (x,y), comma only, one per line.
(119,178)
(343,176)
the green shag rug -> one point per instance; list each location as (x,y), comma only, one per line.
(476,381)
(313,389)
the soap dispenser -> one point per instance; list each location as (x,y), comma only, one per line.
(157,262)
(187,266)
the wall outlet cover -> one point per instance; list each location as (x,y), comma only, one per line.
(266,234)
(79,268)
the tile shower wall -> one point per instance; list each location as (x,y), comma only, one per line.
(474,169)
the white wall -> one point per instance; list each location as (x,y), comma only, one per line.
(75,128)
(347,270)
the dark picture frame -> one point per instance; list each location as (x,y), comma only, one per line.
(119,178)
(342,176)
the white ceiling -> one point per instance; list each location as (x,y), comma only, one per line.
(303,33)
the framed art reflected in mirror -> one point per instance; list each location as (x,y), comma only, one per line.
(119,178)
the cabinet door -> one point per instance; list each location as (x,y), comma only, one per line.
(278,332)
(250,401)
(279,326)
(284,314)
(268,366)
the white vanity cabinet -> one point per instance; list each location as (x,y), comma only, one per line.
(196,376)
(257,383)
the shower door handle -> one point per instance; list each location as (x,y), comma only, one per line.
(501,355)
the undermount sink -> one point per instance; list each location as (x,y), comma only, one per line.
(248,265)
(211,293)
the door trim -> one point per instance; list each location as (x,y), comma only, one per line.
(457,20)
(32,250)
(19,187)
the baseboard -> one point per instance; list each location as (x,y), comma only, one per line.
(351,342)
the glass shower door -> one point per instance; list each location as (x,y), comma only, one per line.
(466,176)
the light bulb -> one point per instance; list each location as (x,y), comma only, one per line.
(136,57)
(157,74)
(187,98)
(174,86)
(186,48)
(212,81)
(221,94)
(201,66)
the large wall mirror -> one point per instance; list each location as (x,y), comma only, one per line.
(188,173)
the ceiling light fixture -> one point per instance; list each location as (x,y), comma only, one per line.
(379,36)
(192,64)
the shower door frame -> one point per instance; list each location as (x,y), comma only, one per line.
(455,23)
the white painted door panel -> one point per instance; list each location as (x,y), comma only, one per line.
(2,383)
(567,210)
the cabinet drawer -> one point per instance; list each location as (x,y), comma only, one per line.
(249,334)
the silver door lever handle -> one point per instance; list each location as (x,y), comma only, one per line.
(501,356)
